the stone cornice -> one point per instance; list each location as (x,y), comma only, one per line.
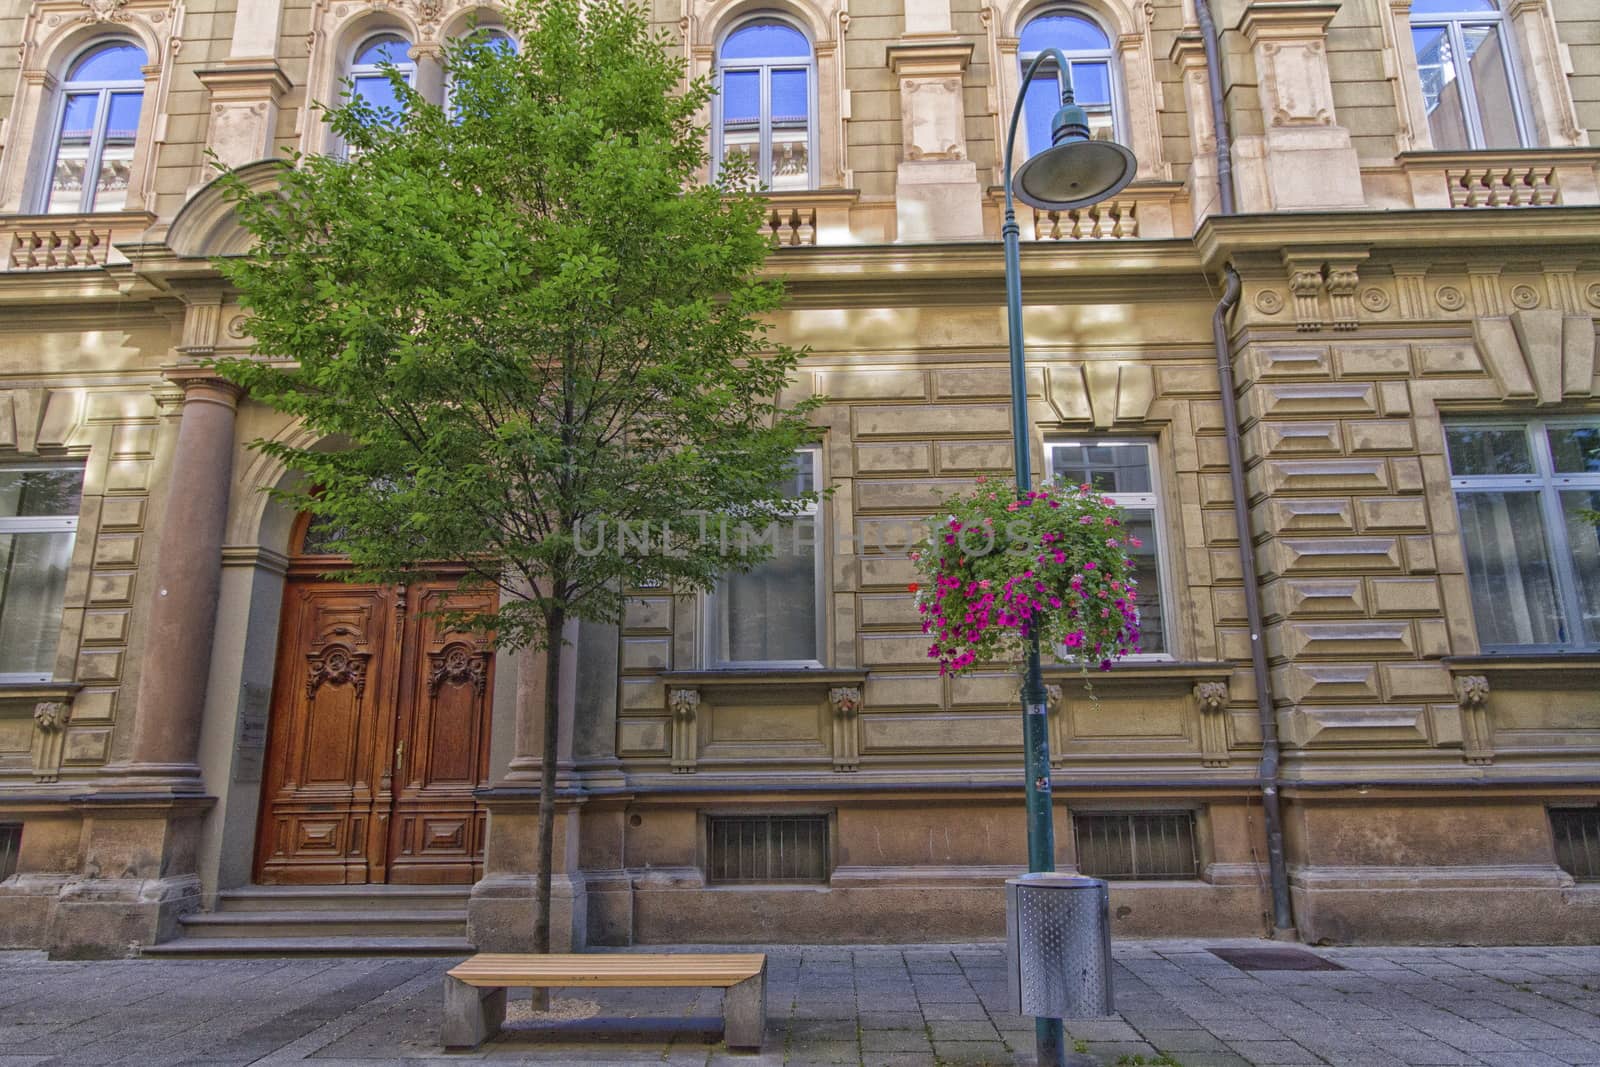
(1298,19)
(931,59)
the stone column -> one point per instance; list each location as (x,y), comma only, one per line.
(166,732)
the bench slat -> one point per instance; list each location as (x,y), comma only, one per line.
(603,969)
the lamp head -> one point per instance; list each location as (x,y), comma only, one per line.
(1074,171)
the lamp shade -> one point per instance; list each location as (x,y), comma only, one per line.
(1074,171)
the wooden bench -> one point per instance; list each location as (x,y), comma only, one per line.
(475,991)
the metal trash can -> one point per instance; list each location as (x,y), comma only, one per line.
(1058,946)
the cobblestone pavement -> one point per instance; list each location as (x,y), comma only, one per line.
(873,1007)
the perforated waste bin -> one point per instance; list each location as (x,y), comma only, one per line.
(1058,946)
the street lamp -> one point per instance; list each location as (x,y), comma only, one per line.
(1073,172)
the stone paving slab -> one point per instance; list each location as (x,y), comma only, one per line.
(903,1006)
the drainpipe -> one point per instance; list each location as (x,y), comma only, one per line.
(1283,926)
(1219,111)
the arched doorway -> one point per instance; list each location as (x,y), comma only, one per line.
(379,732)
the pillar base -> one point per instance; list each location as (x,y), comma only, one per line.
(110,918)
(503,910)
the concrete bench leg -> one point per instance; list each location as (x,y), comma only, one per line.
(744,1013)
(472,1014)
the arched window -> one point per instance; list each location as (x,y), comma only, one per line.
(92,157)
(1094,81)
(766,81)
(1469,84)
(368,77)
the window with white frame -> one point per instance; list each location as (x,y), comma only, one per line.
(1093,67)
(1526,493)
(1470,88)
(369,77)
(488,38)
(768,616)
(765,106)
(97,126)
(1124,470)
(38,525)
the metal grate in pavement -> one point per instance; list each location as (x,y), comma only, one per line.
(1274,959)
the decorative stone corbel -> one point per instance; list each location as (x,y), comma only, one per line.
(49,738)
(1213,700)
(1472,692)
(1342,283)
(846,704)
(685,707)
(1305,284)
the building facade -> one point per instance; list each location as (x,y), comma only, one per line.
(189,708)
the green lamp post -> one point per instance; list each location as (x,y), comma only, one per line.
(1073,172)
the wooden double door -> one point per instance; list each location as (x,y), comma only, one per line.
(379,734)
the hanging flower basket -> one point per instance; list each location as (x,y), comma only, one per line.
(998,569)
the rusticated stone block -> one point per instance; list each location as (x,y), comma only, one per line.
(1299,362)
(1405,474)
(873,384)
(1197,380)
(1385,724)
(87,747)
(105,627)
(1385,514)
(1404,596)
(1379,435)
(1372,362)
(644,737)
(1447,359)
(882,610)
(983,690)
(122,513)
(975,383)
(1322,398)
(903,691)
(887,650)
(1300,597)
(1219,526)
(1212,453)
(940,420)
(128,475)
(967,731)
(975,456)
(1364,637)
(1364,554)
(116,551)
(1326,515)
(646,653)
(1294,439)
(1416,681)
(100,665)
(648,613)
(910,457)
(1320,475)
(919,495)
(886,572)
(1419,554)
(1326,681)
(1395,397)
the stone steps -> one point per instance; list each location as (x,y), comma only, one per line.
(237,947)
(327,921)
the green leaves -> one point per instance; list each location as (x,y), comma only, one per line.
(510,320)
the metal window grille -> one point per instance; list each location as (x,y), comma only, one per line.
(750,849)
(1146,845)
(10,842)
(1577,833)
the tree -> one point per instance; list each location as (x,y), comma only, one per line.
(524,321)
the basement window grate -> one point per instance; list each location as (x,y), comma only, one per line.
(767,849)
(1577,834)
(1137,846)
(10,842)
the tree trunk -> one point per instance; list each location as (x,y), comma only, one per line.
(555,624)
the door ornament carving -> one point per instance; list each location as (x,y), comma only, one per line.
(336,664)
(458,664)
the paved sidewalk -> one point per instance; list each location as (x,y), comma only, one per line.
(872,1007)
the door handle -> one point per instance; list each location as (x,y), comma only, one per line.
(399,758)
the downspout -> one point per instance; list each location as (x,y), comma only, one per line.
(1221,132)
(1283,926)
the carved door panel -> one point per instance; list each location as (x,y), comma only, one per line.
(379,735)
(324,776)
(437,831)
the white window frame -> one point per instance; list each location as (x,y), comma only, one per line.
(764,68)
(1548,484)
(715,619)
(97,140)
(1150,501)
(26,524)
(1107,55)
(1453,23)
(491,30)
